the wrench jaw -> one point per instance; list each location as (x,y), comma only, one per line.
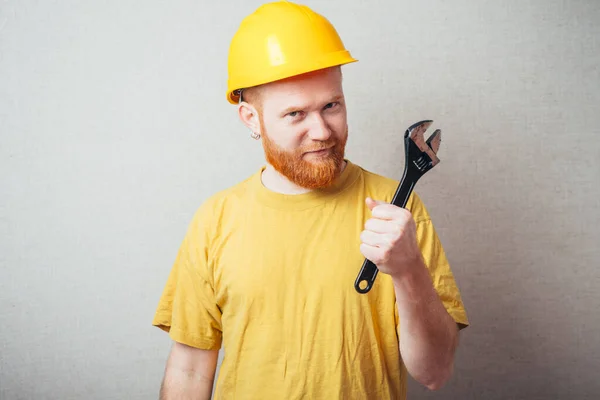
(415,137)
(435,140)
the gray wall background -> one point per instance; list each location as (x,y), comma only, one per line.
(114,128)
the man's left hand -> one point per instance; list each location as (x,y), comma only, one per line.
(389,239)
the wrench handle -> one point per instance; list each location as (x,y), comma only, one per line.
(403,192)
(367,274)
(369,270)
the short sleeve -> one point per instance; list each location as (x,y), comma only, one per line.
(437,263)
(187,309)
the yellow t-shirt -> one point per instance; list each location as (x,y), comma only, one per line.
(271,277)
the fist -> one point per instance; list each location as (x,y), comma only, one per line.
(389,238)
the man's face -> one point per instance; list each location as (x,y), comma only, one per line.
(304,127)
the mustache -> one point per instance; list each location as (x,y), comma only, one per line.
(321,146)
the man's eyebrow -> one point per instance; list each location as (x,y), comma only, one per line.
(335,98)
(290,109)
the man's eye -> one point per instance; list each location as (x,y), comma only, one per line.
(331,105)
(294,114)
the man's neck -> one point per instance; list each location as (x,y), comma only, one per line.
(278,183)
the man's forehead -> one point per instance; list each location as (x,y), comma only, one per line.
(318,85)
(329,75)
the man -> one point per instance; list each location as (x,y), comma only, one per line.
(267,267)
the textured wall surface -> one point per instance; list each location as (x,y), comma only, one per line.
(114,128)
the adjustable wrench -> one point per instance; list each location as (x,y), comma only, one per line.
(420,157)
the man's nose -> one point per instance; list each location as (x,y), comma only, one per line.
(319,130)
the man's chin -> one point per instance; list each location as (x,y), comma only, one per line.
(310,170)
(320,179)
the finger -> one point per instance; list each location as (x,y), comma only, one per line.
(374,239)
(387,211)
(382,226)
(371,253)
(373,203)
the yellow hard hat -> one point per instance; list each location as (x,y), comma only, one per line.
(280,40)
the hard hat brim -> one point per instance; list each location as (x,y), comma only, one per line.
(285,71)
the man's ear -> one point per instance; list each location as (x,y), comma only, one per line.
(249,117)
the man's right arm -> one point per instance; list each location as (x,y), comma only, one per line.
(189,374)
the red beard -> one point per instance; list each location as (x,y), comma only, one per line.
(315,174)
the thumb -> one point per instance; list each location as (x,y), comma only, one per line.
(373,203)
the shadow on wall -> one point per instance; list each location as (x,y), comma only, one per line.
(497,237)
